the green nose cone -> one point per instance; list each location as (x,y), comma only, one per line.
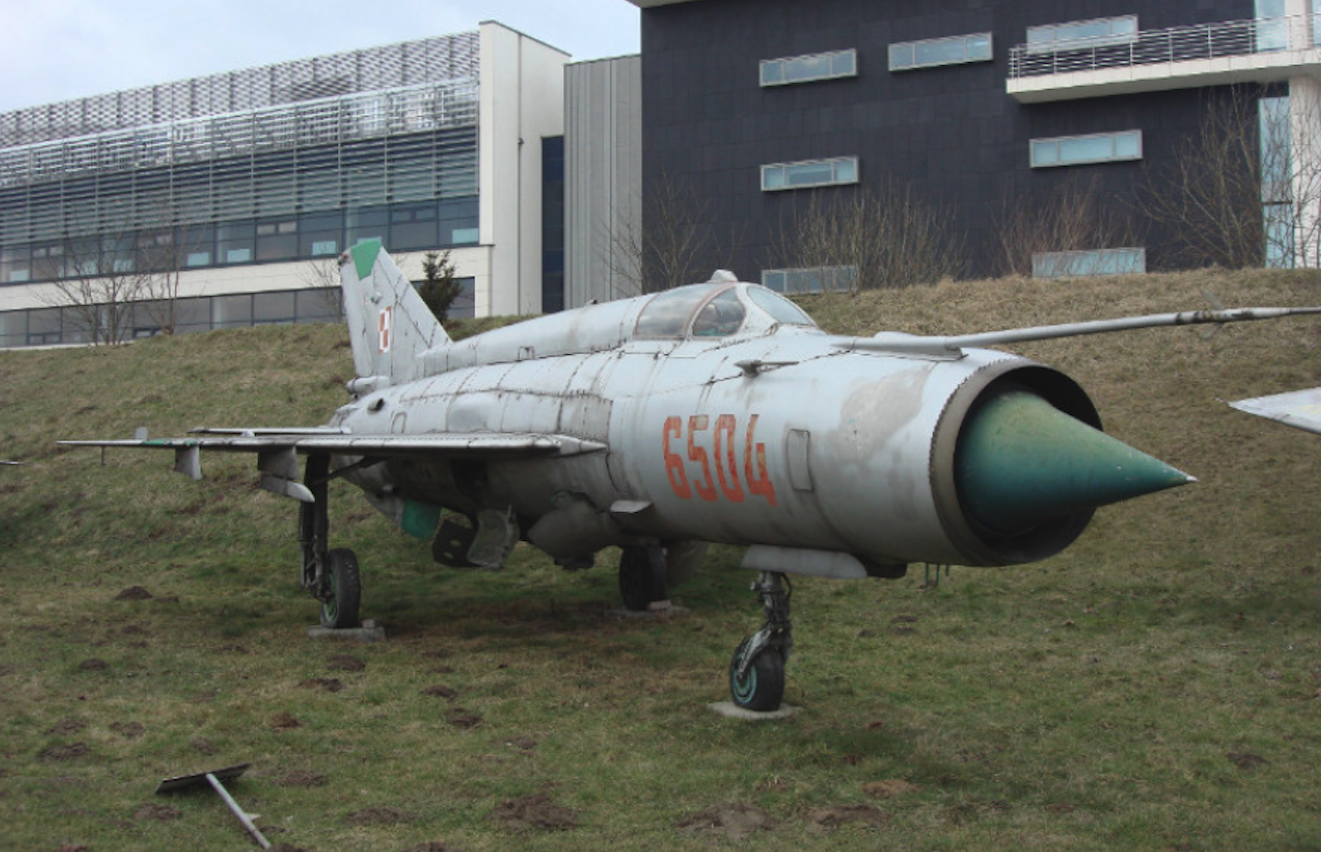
(1021,462)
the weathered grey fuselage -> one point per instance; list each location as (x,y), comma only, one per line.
(773,434)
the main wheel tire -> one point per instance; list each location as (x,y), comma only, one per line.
(345,590)
(761,688)
(642,576)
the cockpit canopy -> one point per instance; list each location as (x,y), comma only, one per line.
(715,310)
(721,308)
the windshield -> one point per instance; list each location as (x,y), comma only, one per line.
(667,314)
(781,309)
(720,317)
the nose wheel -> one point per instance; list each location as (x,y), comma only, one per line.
(756,673)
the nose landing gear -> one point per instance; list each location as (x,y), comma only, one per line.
(756,673)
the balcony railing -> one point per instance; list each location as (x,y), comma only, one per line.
(1158,47)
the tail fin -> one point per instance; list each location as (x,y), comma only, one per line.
(389,324)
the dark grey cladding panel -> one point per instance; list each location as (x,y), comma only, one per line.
(951,132)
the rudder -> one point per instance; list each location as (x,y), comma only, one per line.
(389,324)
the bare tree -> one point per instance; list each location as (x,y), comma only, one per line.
(879,237)
(669,245)
(1208,197)
(97,286)
(1075,217)
(162,255)
(322,276)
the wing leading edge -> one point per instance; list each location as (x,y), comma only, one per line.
(951,347)
(1299,409)
(278,449)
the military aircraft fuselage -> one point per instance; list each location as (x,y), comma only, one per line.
(777,434)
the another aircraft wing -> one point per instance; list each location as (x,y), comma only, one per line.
(1300,409)
(952,346)
(277,449)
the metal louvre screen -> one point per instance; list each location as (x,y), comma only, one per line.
(396,66)
(345,148)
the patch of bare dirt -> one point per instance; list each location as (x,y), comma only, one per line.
(65,752)
(830,818)
(325,684)
(303,778)
(432,847)
(285,721)
(381,816)
(128,730)
(93,665)
(889,788)
(156,813)
(735,820)
(534,812)
(440,690)
(1246,760)
(202,745)
(66,727)
(345,663)
(461,718)
(520,743)
(134,593)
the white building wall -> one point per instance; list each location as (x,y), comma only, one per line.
(472,263)
(522,101)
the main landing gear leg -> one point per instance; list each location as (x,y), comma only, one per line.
(756,673)
(331,576)
(642,576)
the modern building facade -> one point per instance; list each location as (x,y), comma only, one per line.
(766,108)
(241,189)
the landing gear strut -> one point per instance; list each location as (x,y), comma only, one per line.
(756,673)
(642,576)
(331,576)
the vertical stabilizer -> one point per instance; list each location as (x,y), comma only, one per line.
(389,324)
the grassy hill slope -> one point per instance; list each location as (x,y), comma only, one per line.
(1157,686)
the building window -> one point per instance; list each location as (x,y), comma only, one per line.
(277,240)
(954,50)
(1080,150)
(1272,26)
(1075,264)
(840,170)
(817,279)
(804,69)
(1081,35)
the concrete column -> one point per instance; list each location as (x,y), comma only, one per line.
(1305,168)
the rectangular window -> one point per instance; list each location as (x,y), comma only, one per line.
(953,50)
(1075,264)
(277,240)
(15,266)
(1081,35)
(1272,27)
(235,242)
(818,279)
(1080,150)
(833,172)
(804,69)
(319,234)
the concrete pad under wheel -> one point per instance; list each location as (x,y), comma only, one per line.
(731,710)
(370,631)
